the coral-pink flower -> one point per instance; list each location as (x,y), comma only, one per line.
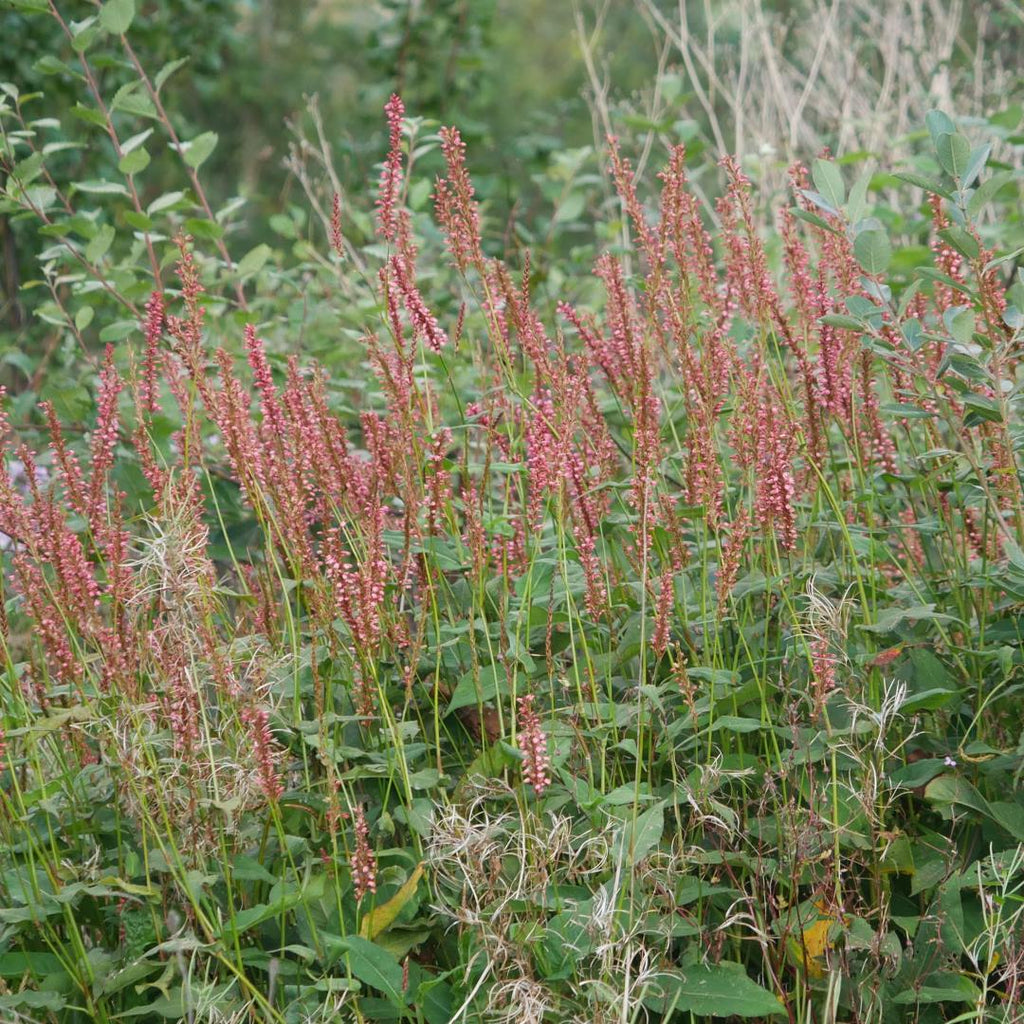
(391,175)
(534,745)
(363,862)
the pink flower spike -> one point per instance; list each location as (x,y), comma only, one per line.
(391,175)
(534,745)
(363,863)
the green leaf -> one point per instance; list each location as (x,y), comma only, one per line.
(84,317)
(100,243)
(987,190)
(89,114)
(964,242)
(196,152)
(252,262)
(639,837)
(873,251)
(929,700)
(857,202)
(101,188)
(374,967)
(164,202)
(959,321)
(15,965)
(166,71)
(828,180)
(717,990)
(812,218)
(571,208)
(954,789)
(976,164)
(135,141)
(938,124)
(118,330)
(492,681)
(133,162)
(981,409)
(116,16)
(847,323)
(928,184)
(50,65)
(954,153)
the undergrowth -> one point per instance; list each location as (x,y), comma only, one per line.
(648,654)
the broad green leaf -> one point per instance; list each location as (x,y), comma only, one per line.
(981,409)
(959,321)
(116,16)
(492,682)
(929,700)
(16,965)
(976,164)
(841,320)
(100,243)
(964,242)
(118,330)
(164,202)
(812,218)
(828,180)
(84,317)
(938,124)
(252,262)
(89,114)
(873,251)
(717,990)
(955,789)
(85,34)
(953,152)
(857,201)
(736,723)
(135,141)
(134,162)
(374,967)
(940,987)
(637,838)
(196,152)
(571,208)
(383,917)
(987,190)
(50,65)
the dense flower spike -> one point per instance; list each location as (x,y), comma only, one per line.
(534,745)
(363,863)
(456,206)
(148,390)
(391,176)
(424,324)
(337,241)
(103,439)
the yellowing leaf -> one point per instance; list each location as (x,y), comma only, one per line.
(816,944)
(382,917)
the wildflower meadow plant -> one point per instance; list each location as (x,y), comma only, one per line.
(646,649)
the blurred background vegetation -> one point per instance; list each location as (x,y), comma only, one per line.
(533,85)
